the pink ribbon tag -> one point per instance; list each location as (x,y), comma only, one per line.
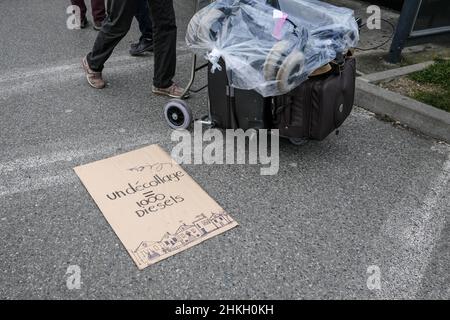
(281,18)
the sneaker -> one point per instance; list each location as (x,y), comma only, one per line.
(84,23)
(94,78)
(174,91)
(97,25)
(144,45)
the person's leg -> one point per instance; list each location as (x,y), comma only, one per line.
(164,41)
(98,11)
(145,43)
(80,4)
(116,26)
(144,20)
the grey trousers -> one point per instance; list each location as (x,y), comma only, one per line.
(120,14)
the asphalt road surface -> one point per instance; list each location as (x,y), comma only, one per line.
(374,198)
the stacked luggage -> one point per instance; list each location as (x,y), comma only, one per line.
(286,66)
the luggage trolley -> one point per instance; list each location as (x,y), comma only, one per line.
(177,112)
(269,112)
(222,96)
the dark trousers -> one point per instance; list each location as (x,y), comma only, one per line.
(98,9)
(145,22)
(120,14)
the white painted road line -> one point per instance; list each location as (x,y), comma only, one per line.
(71,155)
(46,71)
(47,180)
(54,70)
(411,240)
(20,82)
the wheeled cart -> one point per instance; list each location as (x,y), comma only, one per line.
(177,112)
(309,110)
(222,99)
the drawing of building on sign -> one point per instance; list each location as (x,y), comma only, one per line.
(170,242)
(188,233)
(149,250)
(204,224)
(220,219)
(185,234)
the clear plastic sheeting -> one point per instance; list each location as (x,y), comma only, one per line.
(333,29)
(269,50)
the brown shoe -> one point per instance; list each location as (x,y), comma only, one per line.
(174,91)
(94,78)
(97,25)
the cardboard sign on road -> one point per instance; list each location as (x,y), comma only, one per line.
(155,208)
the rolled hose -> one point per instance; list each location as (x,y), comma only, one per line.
(281,65)
(293,64)
(274,59)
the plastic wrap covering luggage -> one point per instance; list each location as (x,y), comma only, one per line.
(269,50)
(332,29)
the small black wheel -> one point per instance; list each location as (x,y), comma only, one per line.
(178,114)
(298,141)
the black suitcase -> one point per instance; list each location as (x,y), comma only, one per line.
(233,108)
(319,105)
(313,110)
